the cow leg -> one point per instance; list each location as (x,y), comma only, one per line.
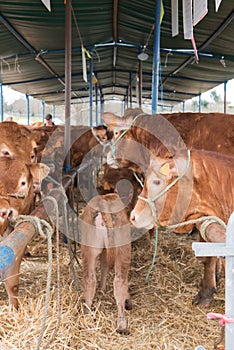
(121,294)
(12,282)
(204,297)
(104,270)
(89,257)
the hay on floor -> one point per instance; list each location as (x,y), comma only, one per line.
(162,317)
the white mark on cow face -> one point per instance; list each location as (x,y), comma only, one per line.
(142,216)
(5,151)
(5,212)
(23,185)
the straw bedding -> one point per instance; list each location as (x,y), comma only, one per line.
(162,317)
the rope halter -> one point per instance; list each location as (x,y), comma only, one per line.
(20,195)
(150,201)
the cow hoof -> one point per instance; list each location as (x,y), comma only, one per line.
(87,310)
(128,304)
(204,299)
(123,331)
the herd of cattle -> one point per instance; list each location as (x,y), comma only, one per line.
(183,161)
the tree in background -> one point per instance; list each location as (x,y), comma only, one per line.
(215,97)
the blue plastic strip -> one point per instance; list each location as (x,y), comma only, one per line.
(7,260)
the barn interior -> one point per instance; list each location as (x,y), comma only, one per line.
(99,51)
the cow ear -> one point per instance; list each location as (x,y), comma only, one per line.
(110,119)
(165,169)
(39,171)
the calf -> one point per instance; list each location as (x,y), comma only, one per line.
(206,189)
(105,233)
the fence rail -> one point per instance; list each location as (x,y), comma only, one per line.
(225,250)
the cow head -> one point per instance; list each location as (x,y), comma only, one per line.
(154,206)
(16,188)
(126,150)
(16,142)
(116,124)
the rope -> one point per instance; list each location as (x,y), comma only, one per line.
(154,256)
(45,231)
(138,179)
(71,254)
(207,220)
(58,282)
(15,195)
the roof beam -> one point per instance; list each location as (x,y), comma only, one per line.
(115,31)
(206,43)
(165,50)
(115,20)
(30,48)
(109,71)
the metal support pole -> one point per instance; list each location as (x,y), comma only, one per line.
(140,83)
(183,106)
(199,103)
(68,39)
(130,89)
(53,111)
(225,98)
(156,57)
(27,109)
(43,110)
(91,92)
(127,97)
(1,102)
(102,107)
(96,102)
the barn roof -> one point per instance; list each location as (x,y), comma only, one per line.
(32,47)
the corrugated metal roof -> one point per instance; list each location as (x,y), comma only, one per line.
(32,42)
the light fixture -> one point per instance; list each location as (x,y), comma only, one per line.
(142,56)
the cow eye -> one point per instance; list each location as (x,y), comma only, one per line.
(23,183)
(156,182)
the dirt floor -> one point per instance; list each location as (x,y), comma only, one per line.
(162,317)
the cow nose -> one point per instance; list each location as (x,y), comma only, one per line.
(132,217)
(4,213)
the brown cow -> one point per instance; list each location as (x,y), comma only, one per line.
(16,142)
(17,197)
(16,183)
(146,133)
(206,189)
(106,233)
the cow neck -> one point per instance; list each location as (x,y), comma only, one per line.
(113,149)
(150,201)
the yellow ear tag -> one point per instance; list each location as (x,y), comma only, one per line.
(113,122)
(58,144)
(165,169)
